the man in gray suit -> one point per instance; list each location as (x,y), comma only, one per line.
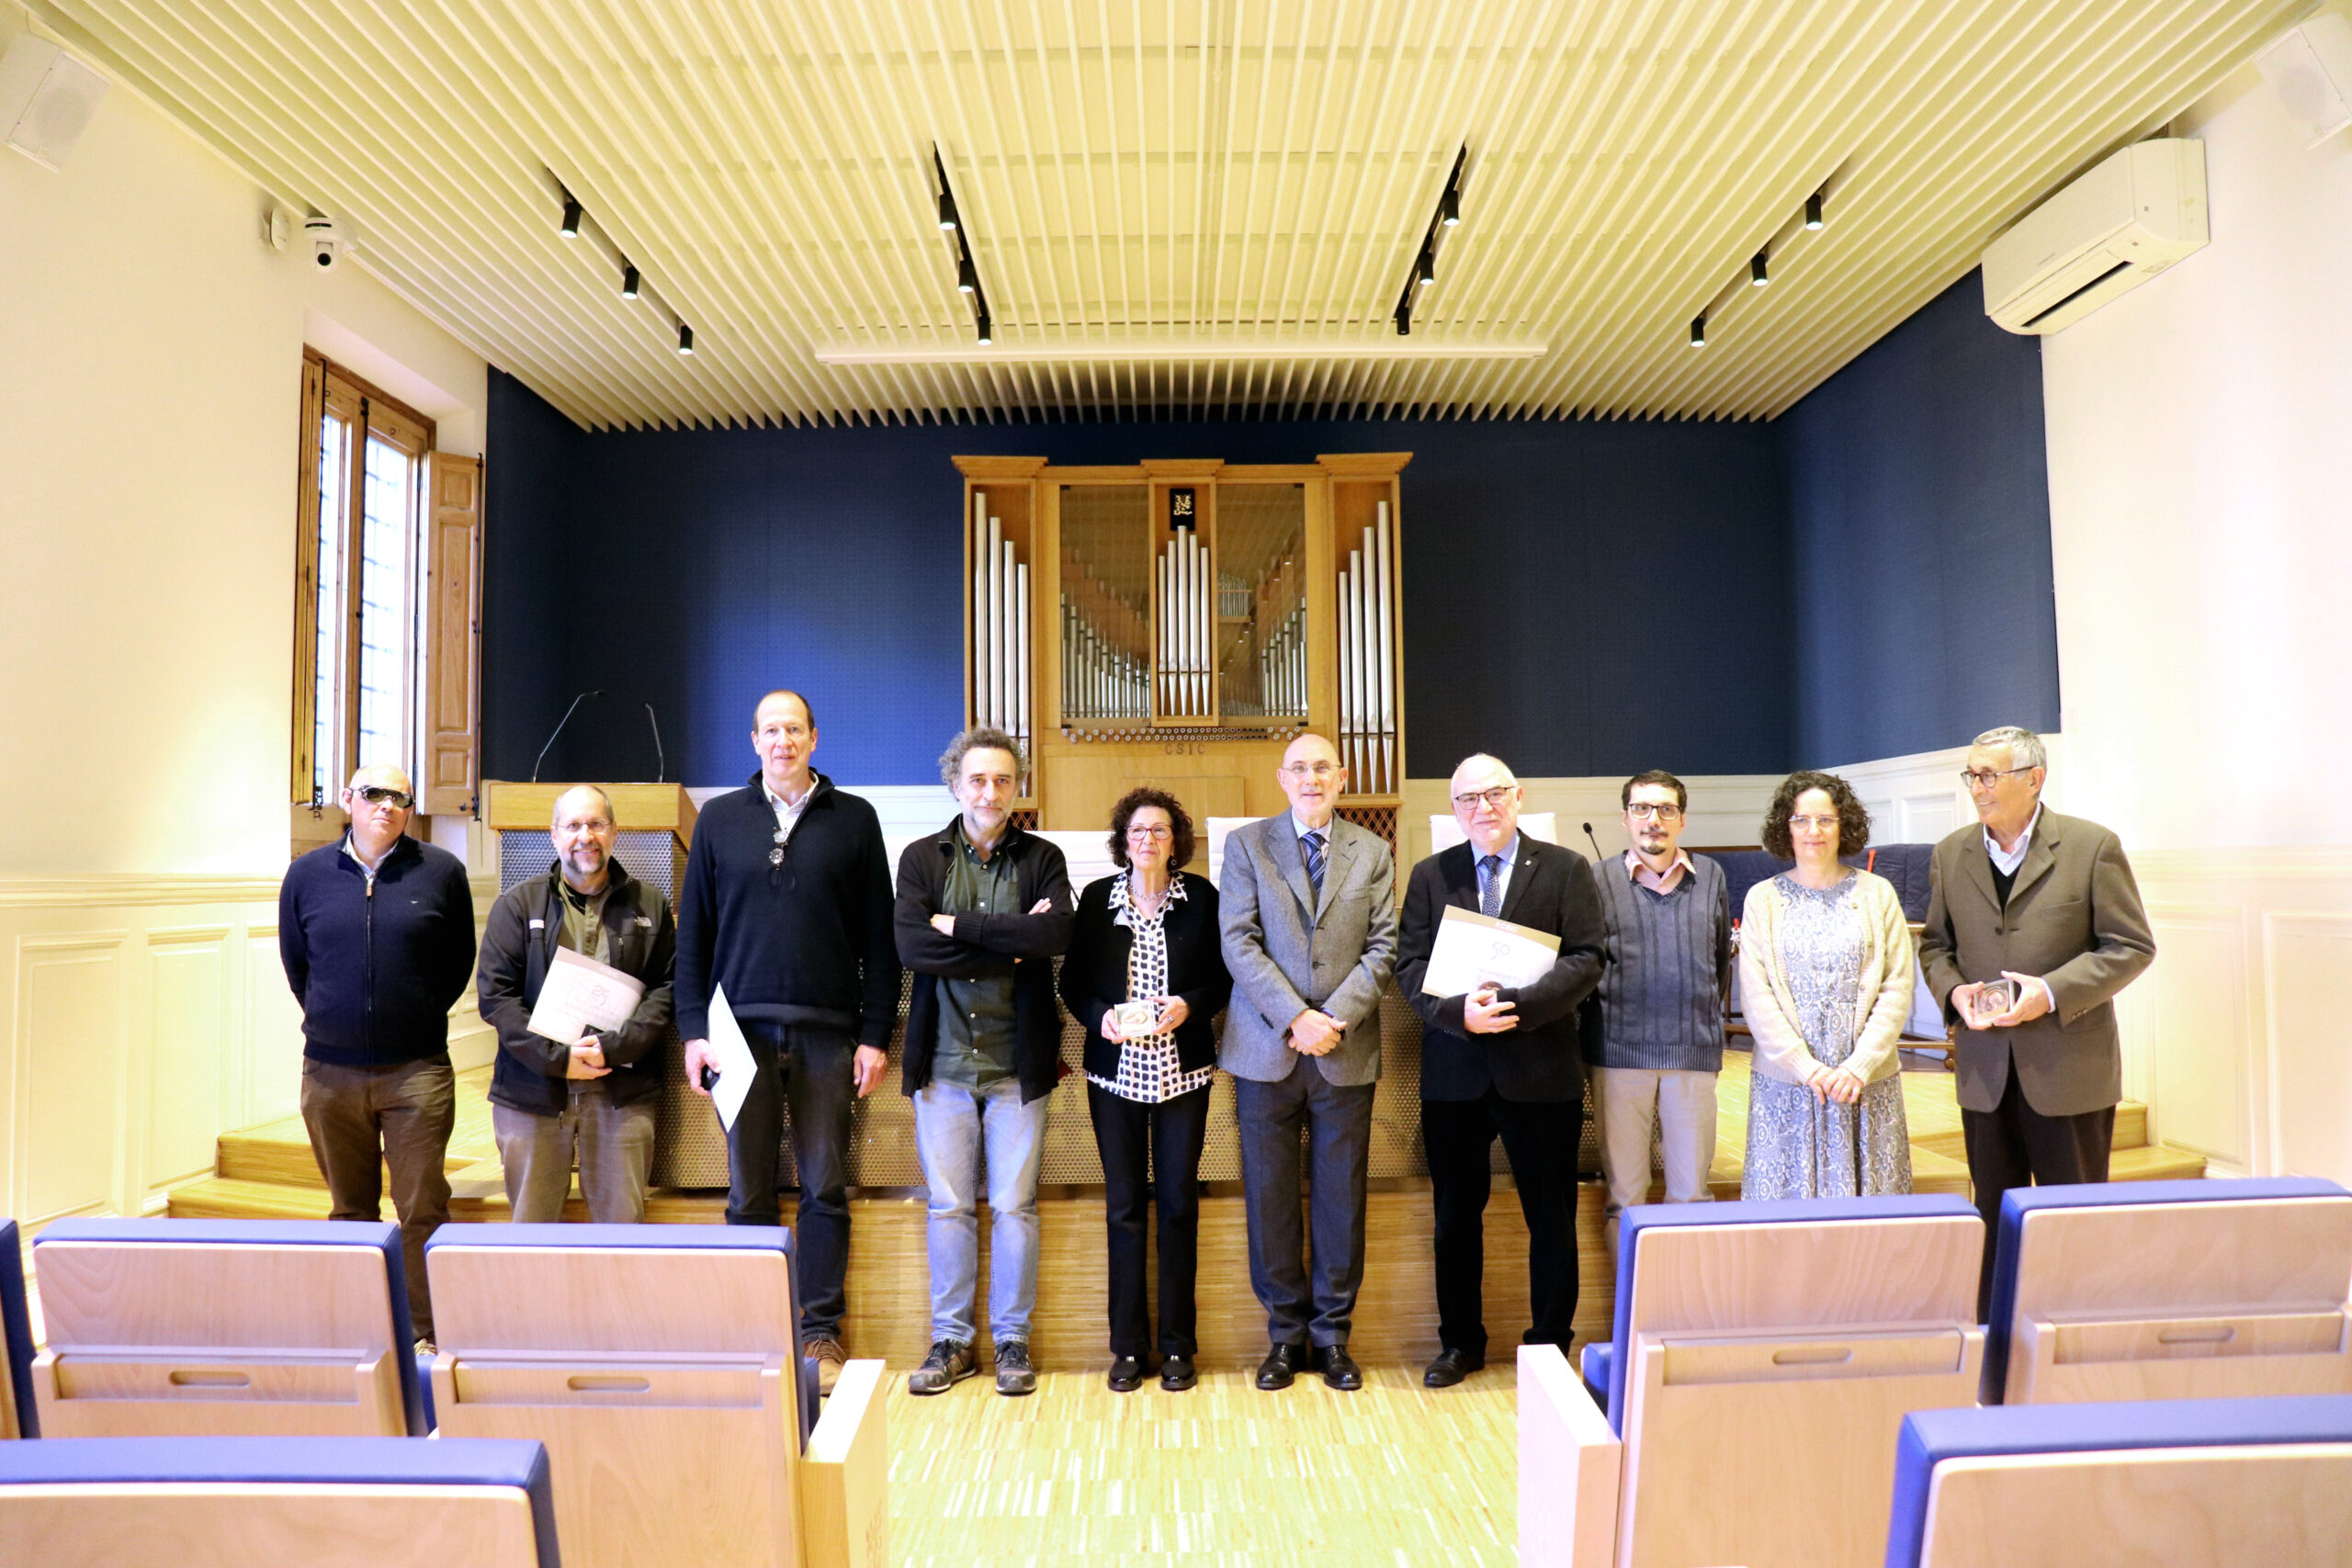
(2045,906)
(1310,912)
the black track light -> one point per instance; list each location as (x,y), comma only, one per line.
(1404,320)
(987,330)
(1757,273)
(947,210)
(968,277)
(1449,206)
(570,219)
(685,339)
(1699,330)
(1813,210)
(628,282)
(1425,270)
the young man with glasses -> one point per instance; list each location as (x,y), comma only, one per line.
(1658,1045)
(1502,1061)
(2034,924)
(377,933)
(1308,906)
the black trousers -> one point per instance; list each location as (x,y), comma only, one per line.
(809,1071)
(1539,1139)
(1151,1153)
(2013,1144)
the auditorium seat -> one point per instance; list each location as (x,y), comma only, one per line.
(158,1327)
(2171,1289)
(1746,1410)
(18,1418)
(661,1365)
(262,1502)
(2189,1483)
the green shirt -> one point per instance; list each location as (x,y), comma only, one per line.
(584,922)
(974,1046)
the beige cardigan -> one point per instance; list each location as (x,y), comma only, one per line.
(1882,1000)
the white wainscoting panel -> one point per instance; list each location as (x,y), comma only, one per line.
(189,1018)
(70,1015)
(2192,1006)
(2309,977)
(273,1056)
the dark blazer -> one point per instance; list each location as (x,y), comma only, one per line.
(517,947)
(1094,975)
(1550,890)
(1021,945)
(2075,920)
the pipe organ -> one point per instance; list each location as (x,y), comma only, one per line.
(1179,622)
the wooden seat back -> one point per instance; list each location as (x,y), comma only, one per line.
(158,1327)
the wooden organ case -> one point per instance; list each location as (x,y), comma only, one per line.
(1179,622)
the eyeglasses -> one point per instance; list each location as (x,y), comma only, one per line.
(1987,778)
(1147,835)
(1642,811)
(1496,798)
(376,795)
(1312,770)
(1813,822)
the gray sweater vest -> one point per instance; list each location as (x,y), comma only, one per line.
(1670,963)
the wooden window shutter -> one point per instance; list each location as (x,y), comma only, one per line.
(453,635)
(306,584)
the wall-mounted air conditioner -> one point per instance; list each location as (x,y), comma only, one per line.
(2109,232)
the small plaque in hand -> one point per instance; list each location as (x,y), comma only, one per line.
(1137,1020)
(1995,997)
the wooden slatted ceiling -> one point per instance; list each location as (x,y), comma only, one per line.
(1236,175)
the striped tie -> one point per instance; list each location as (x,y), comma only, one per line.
(1490,887)
(1311,842)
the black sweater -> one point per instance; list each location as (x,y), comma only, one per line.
(1094,976)
(803,941)
(375,970)
(517,948)
(1023,945)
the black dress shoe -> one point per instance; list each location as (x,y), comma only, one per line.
(1451,1367)
(1339,1369)
(1126,1373)
(1177,1373)
(1281,1365)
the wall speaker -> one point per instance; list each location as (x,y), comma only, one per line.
(2310,69)
(47,97)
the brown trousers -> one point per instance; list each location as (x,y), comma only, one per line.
(363,1119)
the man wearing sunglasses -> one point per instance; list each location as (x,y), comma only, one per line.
(377,933)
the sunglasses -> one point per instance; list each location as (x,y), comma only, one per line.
(376,794)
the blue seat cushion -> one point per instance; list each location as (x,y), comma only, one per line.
(2020,1202)
(377,1462)
(1598,1361)
(1643,1217)
(16,1330)
(381,1234)
(1928,1438)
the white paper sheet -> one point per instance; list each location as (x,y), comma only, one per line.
(579,996)
(1474,950)
(736,1068)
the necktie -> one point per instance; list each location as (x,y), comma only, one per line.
(1312,842)
(1490,887)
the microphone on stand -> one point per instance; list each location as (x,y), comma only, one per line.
(559,730)
(660,760)
(1597,856)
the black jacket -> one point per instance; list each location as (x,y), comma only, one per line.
(1024,945)
(1094,976)
(803,939)
(1550,890)
(375,970)
(516,949)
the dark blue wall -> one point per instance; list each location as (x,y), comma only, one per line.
(1580,597)
(1919,500)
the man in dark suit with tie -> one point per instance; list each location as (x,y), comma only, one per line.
(2048,905)
(1309,905)
(1501,1061)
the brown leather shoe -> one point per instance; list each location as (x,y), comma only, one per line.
(830,1357)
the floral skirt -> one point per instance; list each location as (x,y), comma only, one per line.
(1799,1147)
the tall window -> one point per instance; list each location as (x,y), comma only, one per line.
(359,581)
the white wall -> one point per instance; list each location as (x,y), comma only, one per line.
(150,392)
(2201,529)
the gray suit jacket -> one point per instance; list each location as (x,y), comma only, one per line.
(1289,951)
(2075,920)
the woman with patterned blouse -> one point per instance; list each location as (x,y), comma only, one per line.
(1147,938)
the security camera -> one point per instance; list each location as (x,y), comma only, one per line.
(327,243)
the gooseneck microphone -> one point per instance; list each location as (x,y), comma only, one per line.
(1597,856)
(559,730)
(661,759)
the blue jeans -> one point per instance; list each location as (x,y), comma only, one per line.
(954,1127)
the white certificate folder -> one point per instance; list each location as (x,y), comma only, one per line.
(1474,950)
(581,995)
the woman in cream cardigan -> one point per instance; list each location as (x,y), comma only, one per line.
(1824,977)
